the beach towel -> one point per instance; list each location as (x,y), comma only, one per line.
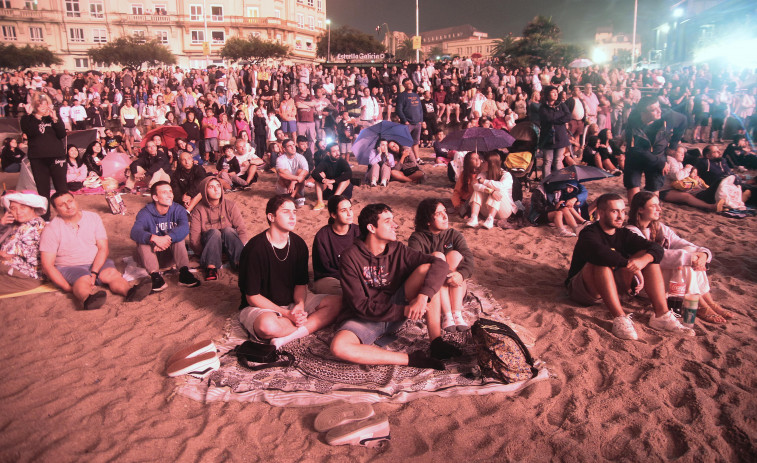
(318,378)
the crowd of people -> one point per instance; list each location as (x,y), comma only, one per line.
(299,123)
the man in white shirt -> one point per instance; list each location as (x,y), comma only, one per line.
(78,116)
(292,169)
(369,109)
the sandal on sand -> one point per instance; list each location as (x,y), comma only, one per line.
(194,350)
(195,366)
(339,415)
(95,301)
(710,316)
(725,313)
(372,432)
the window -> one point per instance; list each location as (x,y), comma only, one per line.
(277,13)
(298,44)
(253,12)
(9,32)
(162,37)
(96,10)
(6,4)
(139,35)
(99,35)
(76,34)
(216,13)
(217,37)
(198,37)
(300,20)
(278,38)
(311,23)
(320,24)
(72,8)
(35,34)
(161,9)
(310,2)
(81,62)
(136,8)
(320,5)
(300,1)
(195,12)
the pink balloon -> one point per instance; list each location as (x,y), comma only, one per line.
(114,165)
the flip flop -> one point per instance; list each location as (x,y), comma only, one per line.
(139,291)
(725,313)
(372,432)
(338,415)
(195,366)
(194,350)
(95,301)
(710,316)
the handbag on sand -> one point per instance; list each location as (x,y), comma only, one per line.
(264,355)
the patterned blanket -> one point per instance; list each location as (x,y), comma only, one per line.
(318,378)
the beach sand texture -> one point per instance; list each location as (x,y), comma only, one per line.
(90,386)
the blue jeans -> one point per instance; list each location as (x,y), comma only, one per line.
(215,242)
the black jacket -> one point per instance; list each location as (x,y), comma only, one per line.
(45,137)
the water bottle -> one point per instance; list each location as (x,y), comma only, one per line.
(690,306)
(676,291)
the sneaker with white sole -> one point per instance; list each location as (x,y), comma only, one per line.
(371,432)
(460,322)
(668,322)
(489,223)
(472,223)
(622,327)
(341,414)
(448,322)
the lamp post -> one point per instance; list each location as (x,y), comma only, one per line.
(328,43)
(633,41)
(417,34)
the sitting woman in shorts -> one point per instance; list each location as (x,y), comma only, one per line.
(492,193)
(407,169)
(644,220)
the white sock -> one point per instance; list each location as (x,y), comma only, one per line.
(300,332)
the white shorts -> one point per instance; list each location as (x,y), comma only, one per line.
(249,314)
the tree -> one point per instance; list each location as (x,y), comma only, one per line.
(13,57)
(405,51)
(132,52)
(346,40)
(436,51)
(252,49)
(540,45)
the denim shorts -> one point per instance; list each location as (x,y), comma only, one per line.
(73,273)
(289,126)
(369,331)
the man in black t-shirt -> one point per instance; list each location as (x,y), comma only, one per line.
(273,278)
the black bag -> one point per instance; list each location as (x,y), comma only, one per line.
(266,355)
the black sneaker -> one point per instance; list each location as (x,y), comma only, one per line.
(211,274)
(187,279)
(158,283)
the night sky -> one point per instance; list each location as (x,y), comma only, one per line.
(578,19)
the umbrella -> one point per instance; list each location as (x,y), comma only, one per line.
(168,133)
(577,173)
(477,139)
(384,130)
(581,63)
(114,164)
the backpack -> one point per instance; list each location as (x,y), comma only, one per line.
(501,354)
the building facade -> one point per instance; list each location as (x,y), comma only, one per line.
(613,48)
(194,30)
(463,40)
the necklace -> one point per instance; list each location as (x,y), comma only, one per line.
(274,251)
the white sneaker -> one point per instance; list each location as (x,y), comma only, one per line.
(310,184)
(448,322)
(460,322)
(489,223)
(383,183)
(668,322)
(472,223)
(622,327)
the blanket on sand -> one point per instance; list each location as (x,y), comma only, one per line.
(317,378)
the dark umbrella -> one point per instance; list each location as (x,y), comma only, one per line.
(577,173)
(168,133)
(477,139)
(384,130)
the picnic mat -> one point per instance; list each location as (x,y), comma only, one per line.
(317,378)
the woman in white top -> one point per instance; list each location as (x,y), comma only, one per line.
(644,220)
(492,193)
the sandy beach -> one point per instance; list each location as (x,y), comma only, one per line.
(90,386)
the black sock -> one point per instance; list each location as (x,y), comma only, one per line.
(419,359)
(441,349)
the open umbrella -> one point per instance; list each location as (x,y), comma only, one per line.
(581,63)
(577,173)
(168,133)
(477,139)
(384,130)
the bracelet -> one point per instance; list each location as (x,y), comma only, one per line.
(97,274)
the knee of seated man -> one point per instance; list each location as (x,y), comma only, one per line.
(439,255)
(267,326)
(343,342)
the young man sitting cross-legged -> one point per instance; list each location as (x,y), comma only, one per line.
(384,283)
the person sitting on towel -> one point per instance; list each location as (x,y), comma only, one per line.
(20,230)
(273,278)
(329,244)
(384,283)
(74,255)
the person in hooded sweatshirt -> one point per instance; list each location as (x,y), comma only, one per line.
(383,284)
(185,181)
(216,227)
(434,236)
(159,231)
(332,177)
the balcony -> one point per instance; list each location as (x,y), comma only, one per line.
(23,14)
(122,18)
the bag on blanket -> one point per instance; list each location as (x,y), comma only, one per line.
(265,355)
(501,354)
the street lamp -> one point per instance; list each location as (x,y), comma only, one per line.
(328,43)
